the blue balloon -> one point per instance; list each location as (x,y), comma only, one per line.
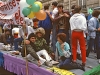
(35,8)
(30,2)
(26,11)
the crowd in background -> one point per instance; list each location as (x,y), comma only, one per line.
(61,38)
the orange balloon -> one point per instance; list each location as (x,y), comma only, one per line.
(41,15)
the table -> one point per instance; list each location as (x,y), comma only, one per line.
(16,64)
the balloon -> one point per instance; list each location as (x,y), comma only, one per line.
(35,8)
(30,2)
(26,11)
(39,3)
(41,15)
(22,5)
(31,15)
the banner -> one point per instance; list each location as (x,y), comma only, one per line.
(10,12)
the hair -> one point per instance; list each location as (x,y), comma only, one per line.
(31,35)
(54,3)
(46,7)
(77,9)
(95,13)
(60,5)
(62,37)
(73,6)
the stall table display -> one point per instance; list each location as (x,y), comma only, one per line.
(17,65)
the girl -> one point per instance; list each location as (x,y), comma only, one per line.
(64,53)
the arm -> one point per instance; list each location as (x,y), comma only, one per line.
(29,50)
(40,23)
(91,26)
(55,19)
(32,52)
(4,39)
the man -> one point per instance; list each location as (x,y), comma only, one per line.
(24,33)
(30,49)
(5,37)
(54,12)
(94,34)
(62,21)
(78,26)
(47,25)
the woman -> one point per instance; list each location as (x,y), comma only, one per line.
(65,55)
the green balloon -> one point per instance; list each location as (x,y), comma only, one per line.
(35,8)
(26,11)
(30,2)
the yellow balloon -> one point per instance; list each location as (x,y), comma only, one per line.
(39,3)
(31,15)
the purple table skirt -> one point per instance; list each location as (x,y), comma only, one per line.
(17,65)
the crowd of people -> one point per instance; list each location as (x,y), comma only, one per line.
(60,38)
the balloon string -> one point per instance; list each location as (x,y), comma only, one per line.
(25,54)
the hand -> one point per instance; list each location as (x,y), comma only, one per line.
(62,46)
(98,29)
(27,42)
(66,15)
(47,12)
(53,54)
(39,63)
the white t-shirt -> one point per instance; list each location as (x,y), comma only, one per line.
(54,12)
(77,21)
(28,21)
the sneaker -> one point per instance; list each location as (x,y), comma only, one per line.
(99,61)
(54,62)
(48,63)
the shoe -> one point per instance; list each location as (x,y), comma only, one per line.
(54,62)
(99,61)
(82,68)
(48,63)
(77,66)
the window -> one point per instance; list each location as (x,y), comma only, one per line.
(82,3)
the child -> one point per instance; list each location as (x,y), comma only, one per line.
(64,53)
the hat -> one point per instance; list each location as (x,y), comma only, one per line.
(40,30)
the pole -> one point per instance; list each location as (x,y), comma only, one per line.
(69,5)
(26,54)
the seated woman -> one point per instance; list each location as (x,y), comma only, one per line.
(65,55)
(41,48)
(30,50)
(5,37)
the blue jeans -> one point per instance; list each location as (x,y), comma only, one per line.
(96,44)
(10,40)
(16,41)
(63,64)
(54,40)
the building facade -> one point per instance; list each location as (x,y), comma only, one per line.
(85,4)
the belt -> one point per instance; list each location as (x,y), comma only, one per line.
(78,30)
